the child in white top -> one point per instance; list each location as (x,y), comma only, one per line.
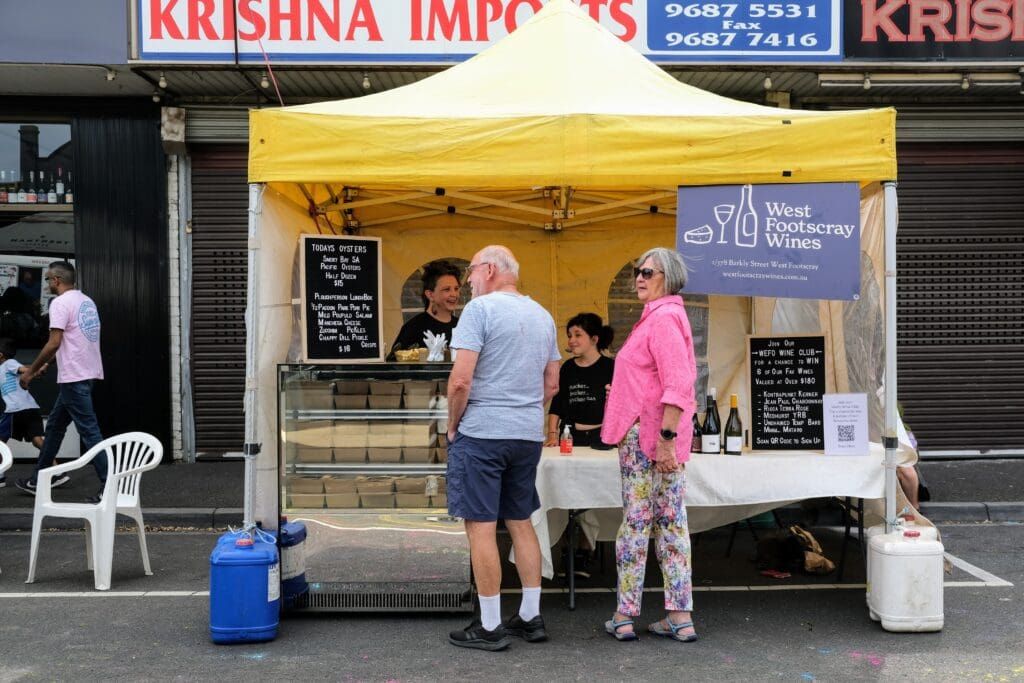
(21,418)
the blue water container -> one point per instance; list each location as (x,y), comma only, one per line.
(293,563)
(245,588)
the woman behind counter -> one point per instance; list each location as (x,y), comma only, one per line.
(440,297)
(582,379)
(651,397)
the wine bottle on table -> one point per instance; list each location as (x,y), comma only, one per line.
(3,187)
(60,185)
(695,444)
(42,197)
(22,191)
(711,431)
(733,429)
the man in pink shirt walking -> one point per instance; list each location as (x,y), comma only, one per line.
(75,341)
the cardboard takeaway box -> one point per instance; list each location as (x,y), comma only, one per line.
(349,455)
(384,434)
(310,395)
(376,492)
(418,395)
(418,433)
(312,433)
(309,454)
(341,492)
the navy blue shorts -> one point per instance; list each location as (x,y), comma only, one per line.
(492,479)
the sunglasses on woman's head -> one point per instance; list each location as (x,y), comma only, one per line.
(647,273)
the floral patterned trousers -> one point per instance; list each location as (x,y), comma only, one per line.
(652,502)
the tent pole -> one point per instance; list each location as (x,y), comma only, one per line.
(889,436)
(251,448)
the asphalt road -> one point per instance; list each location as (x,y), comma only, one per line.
(156,628)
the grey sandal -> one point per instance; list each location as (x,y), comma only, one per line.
(673,630)
(612,627)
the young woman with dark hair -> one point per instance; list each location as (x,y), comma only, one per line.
(440,298)
(579,402)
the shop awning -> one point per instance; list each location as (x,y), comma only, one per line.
(563,102)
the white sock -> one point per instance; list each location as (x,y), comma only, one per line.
(490,611)
(530,606)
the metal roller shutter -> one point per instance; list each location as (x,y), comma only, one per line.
(219,261)
(216,125)
(960,260)
(978,124)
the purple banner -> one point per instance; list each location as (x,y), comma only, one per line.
(784,240)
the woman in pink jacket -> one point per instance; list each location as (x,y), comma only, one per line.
(652,395)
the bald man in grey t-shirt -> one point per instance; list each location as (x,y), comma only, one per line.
(506,369)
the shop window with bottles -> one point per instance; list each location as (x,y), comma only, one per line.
(36,224)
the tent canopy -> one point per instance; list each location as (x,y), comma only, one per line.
(560,103)
(591,113)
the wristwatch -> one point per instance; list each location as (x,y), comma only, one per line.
(668,434)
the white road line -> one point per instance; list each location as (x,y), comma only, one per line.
(105,594)
(988,578)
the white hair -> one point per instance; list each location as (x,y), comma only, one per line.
(501,258)
(671,264)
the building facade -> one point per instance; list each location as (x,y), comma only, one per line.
(162,232)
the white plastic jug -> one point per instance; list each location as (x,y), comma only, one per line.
(904,588)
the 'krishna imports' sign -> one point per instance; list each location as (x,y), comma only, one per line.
(799,240)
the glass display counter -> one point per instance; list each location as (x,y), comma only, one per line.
(362,456)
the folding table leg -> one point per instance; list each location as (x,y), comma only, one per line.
(570,570)
(847,505)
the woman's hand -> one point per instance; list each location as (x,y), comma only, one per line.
(665,457)
(551,439)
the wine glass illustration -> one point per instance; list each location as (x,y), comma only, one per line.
(723,212)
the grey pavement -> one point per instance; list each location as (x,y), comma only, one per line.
(752,627)
(209,494)
(156,628)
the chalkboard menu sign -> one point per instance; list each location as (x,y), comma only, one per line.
(341,285)
(787,381)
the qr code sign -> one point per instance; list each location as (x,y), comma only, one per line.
(845,433)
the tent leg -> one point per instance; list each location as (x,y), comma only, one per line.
(889,435)
(251,448)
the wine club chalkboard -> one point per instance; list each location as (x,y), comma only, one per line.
(341,285)
(787,381)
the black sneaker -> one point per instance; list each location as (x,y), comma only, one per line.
(26,485)
(95,498)
(3,482)
(477,637)
(531,631)
(59,480)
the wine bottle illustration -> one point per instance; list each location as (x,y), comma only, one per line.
(746,219)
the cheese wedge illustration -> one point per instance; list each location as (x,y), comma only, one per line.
(701,235)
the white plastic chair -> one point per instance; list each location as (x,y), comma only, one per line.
(128,456)
(6,460)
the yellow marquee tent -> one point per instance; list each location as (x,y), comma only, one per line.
(565,144)
(563,102)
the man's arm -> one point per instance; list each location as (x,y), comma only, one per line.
(459,382)
(550,380)
(46,354)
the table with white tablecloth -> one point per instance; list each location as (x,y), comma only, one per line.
(720,489)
